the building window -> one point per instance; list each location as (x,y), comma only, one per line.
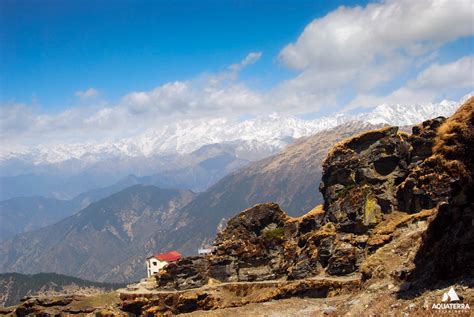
(155,263)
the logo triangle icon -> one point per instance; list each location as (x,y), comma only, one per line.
(453,297)
(450,295)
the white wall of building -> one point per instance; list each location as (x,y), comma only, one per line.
(153,266)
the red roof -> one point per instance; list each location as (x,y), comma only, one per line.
(169,256)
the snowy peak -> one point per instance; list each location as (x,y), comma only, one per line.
(409,114)
(264,135)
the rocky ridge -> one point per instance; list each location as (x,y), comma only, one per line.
(360,180)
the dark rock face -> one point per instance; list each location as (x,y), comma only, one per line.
(447,179)
(252,241)
(360,177)
(189,272)
(249,249)
(418,192)
(375,173)
(261,243)
(343,260)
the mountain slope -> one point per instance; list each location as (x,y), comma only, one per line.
(24,214)
(15,286)
(107,240)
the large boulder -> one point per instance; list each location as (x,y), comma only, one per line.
(250,248)
(360,177)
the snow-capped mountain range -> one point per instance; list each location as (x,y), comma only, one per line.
(263,134)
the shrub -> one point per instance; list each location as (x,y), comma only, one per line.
(277,233)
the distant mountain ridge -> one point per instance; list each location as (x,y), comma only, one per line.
(267,134)
(188,155)
(196,171)
(23,214)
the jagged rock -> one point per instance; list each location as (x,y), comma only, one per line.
(343,260)
(251,224)
(423,188)
(447,179)
(422,139)
(360,176)
(189,272)
(249,249)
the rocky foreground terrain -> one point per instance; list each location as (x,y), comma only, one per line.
(394,234)
(15,286)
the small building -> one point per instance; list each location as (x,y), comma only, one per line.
(204,251)
(156,262)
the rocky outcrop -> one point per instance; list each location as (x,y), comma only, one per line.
(251,248)
(362,175)
(447,179)
(418,192)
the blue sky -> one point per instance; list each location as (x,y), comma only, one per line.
(82,70)
(50,49)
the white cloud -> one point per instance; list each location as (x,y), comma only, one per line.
(17,118)
(458,74)
(250,59)
(205,97)
(232,72)
(360,49)
(432,83)
(356,36)
(88,93)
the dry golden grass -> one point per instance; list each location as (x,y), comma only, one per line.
(101,300)
(454,144)
(315,211)
(457,128)
(398,219)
